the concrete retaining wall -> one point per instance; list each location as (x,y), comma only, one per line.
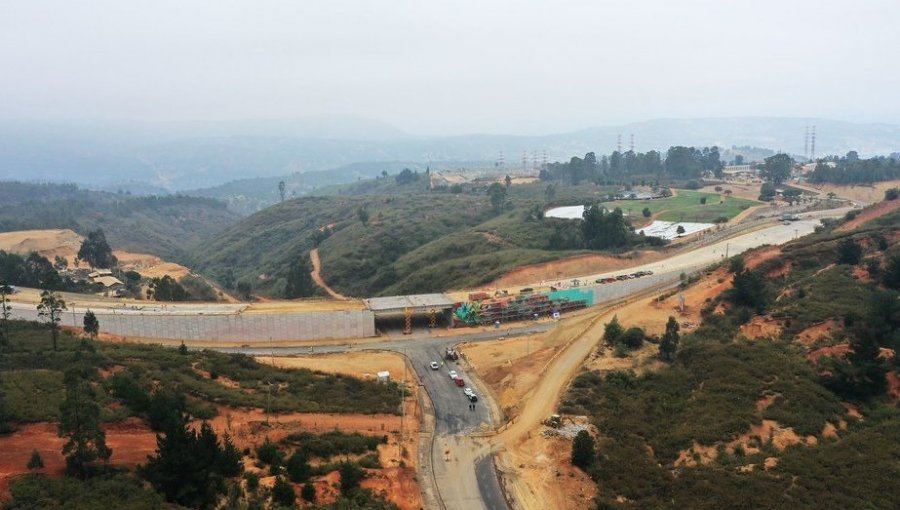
(243,328)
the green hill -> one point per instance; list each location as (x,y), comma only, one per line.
(167,226)
(414,240)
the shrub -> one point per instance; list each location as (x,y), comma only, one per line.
(36,461)
(583,454)
(892,194)
(849,252)
(612,332)
(633,338)
(269,453)
(298,468)
(308,492)
(283,493)
(646,212)
(351,475)
(252,481)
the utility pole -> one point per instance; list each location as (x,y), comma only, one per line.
(726,250)
(402,406)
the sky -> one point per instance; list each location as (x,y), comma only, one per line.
(436,67)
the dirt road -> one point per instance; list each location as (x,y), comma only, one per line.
(317,276)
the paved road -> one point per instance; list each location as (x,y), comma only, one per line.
(488,485)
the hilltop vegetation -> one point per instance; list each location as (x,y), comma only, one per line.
(408,239)
(734,423)
(166,226)
(853,170)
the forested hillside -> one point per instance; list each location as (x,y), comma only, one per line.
(167,226)
(803,414)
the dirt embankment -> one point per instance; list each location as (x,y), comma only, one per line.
(573,266)
(870,213)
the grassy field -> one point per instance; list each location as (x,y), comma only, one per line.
(687,207)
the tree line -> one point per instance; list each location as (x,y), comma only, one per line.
(680,162)
(850,169)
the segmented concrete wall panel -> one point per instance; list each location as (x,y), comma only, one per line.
(245,328)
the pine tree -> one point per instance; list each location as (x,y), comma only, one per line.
(91,324)
(668,346)
(79,421)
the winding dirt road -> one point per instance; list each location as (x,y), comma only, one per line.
(317,277)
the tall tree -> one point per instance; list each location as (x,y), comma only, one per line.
(777,168)
(281,190)
(91,324)
(5,311)
(668,346)
(96,251)
(508,181)
(363,215)
(299,281)
(497,193)
(79,422)
(50,309)
(550,193)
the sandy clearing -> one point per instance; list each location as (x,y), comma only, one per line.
(861,193)
(363,365)
(817,332)
(49,243)
(131,442)
(749,191)
(305,305)
(65,243)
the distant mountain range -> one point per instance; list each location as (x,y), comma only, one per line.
(144,157)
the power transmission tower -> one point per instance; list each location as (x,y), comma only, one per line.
(812,144)
(806,143)
(619,144)
(632,142)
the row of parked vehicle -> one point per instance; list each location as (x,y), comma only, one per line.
(457,380)
(619,278)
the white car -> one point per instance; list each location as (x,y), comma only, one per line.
(468,391)
(453,374)
(434,365)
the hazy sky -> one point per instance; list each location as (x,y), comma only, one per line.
(441,67)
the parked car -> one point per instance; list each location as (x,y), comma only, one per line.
(472,398)
(459,382)
(434,365)
(453,374)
